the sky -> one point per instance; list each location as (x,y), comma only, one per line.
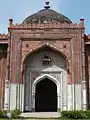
(20,9)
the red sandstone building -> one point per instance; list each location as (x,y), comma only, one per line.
(45,64)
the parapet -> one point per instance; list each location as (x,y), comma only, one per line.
(3,37)
(46,25)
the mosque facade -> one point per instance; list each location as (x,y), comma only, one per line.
(45,64)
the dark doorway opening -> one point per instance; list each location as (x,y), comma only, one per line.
(46,96)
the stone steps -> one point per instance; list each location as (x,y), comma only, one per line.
(41,115)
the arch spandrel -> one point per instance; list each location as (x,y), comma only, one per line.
(41,47)
(40,78)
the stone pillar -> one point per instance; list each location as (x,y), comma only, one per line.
(26,91)
(6,101)
(58,101)
(61,104)
(70,97)
(22,92)
(33,101)
(33,97)
(30,92)
(59,94)
(84,91)
(21,97)
(64,90)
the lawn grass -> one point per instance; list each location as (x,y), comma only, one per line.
(42,119)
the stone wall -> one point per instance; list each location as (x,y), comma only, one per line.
(64,38)
(3,57)
(67,39)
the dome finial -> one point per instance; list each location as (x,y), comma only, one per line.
(47,5)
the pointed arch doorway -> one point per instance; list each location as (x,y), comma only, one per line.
(46,96)
(36,71)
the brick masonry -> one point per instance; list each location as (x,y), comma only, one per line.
(67,39)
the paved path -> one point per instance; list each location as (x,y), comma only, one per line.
(41,114)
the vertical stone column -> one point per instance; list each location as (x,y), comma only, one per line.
(61,103)
(84,91)
(33,100)
(10,68)
(59,93)
(26,91)
(22,102)
(33,97)
(8,51)
(73,63)
(6,101)
(82,67)
(84,81)
(18,77)
(58,101)
(20,71)
(22,97)
(69,96)
(21,93)
(64,90)
(30,92)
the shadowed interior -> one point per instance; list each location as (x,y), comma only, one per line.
(46,96)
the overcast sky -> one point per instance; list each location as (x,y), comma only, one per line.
(20,9)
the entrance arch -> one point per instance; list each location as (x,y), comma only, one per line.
(46,91)
(36,71)
(46,96)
